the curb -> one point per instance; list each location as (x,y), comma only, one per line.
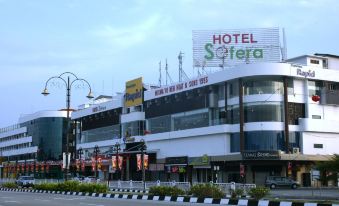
(129,190)
(239,202)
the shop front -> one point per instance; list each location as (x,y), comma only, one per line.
(201,168)
(177,169)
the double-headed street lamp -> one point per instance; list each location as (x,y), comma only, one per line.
(68,82)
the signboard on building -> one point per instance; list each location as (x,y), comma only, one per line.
(223,48)
(199,161)
(261,155)
(134,91)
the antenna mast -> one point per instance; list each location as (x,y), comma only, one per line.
(181,71)
(167,74)
(160,74)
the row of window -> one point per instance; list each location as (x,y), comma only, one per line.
(14,147)
(13,137)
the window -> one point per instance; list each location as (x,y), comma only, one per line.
(318,146)
(314,61)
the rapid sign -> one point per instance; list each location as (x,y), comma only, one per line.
(222,48)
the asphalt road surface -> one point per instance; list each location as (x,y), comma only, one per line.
(321,194)
(43,199)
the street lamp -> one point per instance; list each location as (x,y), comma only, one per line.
(143,148)
(116,149)
(96,151)
(68,84)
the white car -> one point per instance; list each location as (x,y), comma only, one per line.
(25,181)
(91,179)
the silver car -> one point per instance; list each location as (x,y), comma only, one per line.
(278,181)
(25,181)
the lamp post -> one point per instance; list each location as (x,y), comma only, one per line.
(80,152)
(68,84)
(143,148)
(96,151)
(117,149)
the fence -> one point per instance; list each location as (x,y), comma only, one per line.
(227,187)
(139,184)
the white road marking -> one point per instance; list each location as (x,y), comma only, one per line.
(12,201)
(61,198)
(44,200)
(91,204)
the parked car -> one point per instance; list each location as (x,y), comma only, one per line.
(91,179)
(25,181)
(79,179)
(278,181)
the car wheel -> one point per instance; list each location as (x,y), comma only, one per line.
(273,186)
(294,186)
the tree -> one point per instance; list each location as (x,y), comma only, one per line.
(330,166)
(329,169)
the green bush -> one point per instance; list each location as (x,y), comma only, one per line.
(207,190)
(10,185)
(68,186)
(237,193)
(73,186)
(166,191)
(259,192)
(100,188)
(46,186)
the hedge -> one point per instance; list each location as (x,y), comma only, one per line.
(166,191)
(73,186)
(206,190)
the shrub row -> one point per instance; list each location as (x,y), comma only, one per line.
(73,186)
(199,190)
(9,185)
(166,191)
(207,191)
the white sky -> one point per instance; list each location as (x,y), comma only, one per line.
(110,42)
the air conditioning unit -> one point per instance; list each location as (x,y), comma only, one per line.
(295,150)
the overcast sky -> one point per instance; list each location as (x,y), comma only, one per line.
(111,42)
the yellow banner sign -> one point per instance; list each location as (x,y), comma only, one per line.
(134,90)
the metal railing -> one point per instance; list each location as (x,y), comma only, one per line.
(138,185)
(229,187)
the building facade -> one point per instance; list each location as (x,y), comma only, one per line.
(240,124)
(34,146)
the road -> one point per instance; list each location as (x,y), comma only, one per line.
(329,194)
(38,199)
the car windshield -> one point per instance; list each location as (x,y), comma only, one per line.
(26,178)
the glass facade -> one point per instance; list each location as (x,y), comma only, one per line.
(159,124)
(48,133)
(189,120)
(100,134)
(257,112)
(186,120)
(264,140)
(135,128)
(263,86)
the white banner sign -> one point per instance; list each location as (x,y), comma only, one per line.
(224,48)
